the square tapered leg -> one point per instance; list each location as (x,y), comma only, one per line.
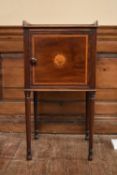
(36,132)
(87,117)
(28,123)
(91,106)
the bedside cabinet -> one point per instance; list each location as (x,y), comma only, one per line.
(59,58)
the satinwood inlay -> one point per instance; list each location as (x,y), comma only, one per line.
(59,60)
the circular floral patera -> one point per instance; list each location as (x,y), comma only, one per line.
(59,60)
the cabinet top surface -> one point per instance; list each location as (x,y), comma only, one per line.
(27,25)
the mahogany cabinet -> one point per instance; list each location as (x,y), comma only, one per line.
(59,58)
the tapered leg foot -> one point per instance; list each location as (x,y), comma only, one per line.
(90,156)
(36,135)
(87,135)
(29,156)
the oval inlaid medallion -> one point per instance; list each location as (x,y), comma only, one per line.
(59,60)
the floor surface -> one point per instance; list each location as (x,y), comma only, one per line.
(57,154)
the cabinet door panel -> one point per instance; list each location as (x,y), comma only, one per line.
(61,59)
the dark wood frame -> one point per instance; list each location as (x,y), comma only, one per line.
(89,89)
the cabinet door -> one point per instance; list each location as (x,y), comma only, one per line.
(61,59)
